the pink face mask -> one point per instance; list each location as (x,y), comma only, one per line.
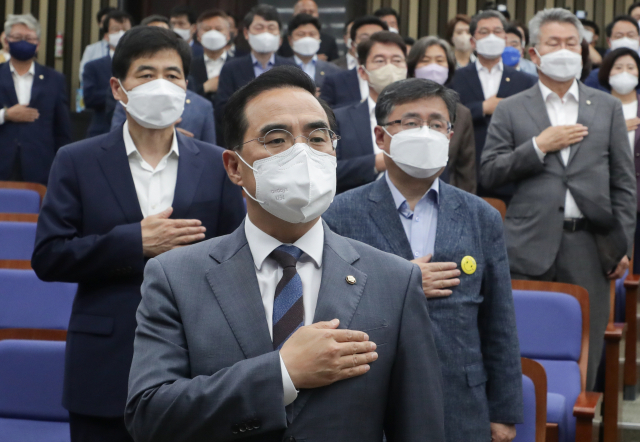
(433,72)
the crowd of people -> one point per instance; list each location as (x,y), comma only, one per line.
(233,214)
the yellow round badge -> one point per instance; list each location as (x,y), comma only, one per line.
(468,265)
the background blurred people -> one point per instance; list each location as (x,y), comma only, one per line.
(100,48)
(183,23)
(459,37)
(515,57)
(349,60)
(390,17)
(592,36)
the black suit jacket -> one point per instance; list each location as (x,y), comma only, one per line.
(96,88)
(198,76)
(341,89)
(89,233)
(328,47)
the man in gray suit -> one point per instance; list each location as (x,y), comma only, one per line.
(283,330)
(411,213)
(304,39)
(572,217)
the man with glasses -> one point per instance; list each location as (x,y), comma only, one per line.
(262,27)
(283,330)
(360,160)
(456,239)
(34,107)
(483,84)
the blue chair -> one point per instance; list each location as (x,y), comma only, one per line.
(17,240)
(534,389)
(19,201)
(553,329)
(31,377)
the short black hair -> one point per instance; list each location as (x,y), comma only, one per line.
(409,41)
(384,37)
(301,20)
(413,89)
(632,7)
(143,41)
(383,12)
(104,11)
(153,18)
(211,13)
(235,122)
(484,15)
(366,20)
(118,16)
(181,10)
(609,61)
(514,30)
(346,26)
(268,12)
(591,24)
(609,29)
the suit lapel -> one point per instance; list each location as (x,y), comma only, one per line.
(352,84)
(537,109)
(336,298)
(115,166)
(475,87)
(6,82)
(235,287)
(449,227)
(385,215)
(504,90)
(38,87)
(189,171)
(362,124)
(586,114)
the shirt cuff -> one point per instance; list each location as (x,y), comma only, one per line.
(2,111)
(540,153)
(290,392)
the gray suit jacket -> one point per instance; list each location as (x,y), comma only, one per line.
(324,68)
(474,328)
(599,174)
(341,62)
(204,364)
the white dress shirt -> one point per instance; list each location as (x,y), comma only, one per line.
(630,110)
(374,123)
(308,68)
(364,87)
(562,112)
(214,66)
(155,187)
(490,79)
(23,85)
(352,62)
(269,273)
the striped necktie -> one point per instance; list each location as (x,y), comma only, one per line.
(288,309)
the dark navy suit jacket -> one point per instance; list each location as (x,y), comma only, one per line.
(474,328)
(198,76)
(592,81)
(37,142)
(341,89)
(235,73)
(467,84)
(95,84)
(197,118)
(196,49)
(356,160)
(89,233)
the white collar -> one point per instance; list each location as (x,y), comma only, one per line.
(261,244)
(272,59)
(399,199)
(497,67)
(573,91)
(299,62)
(222,58)
(32,69)
(372,105)
(131,148)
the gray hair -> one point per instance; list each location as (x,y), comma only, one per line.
(473,25)
(557,15)
(420,47)
(413,89)
(22,19)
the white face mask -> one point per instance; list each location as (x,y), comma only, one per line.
(296,185)
(462,42)
(562,65)
(394,30)
(491,46)
(213,40)
(306,46)
(588,36)
(184,33)
(264,43)
(420,153)
(384,76)
(155,105)
(625,42)
(623,83)
(114,38)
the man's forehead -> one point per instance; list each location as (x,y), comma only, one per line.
(283,104)
(385,48)
(422,106)
(491,22)
(623,26)
(19,27)
(260,19)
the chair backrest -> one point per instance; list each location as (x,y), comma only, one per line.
(19,217)
(31,378)
(28,302)
(17,240)
(534,393)
(497,204)
(19,201)
(36,187)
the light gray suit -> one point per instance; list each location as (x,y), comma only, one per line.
(600,176)
(204,368)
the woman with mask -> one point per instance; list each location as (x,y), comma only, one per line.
(431,58)
(458,35)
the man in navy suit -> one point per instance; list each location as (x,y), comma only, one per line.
(262,26)
(483,84)
(360,160)
(345,88)
(34,108)
(411,213)
(113,202)
(96,75)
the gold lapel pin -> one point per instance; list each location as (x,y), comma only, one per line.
(188,101)
(508,79)
(41,77)
(588,102)
(321,72)
(350,280)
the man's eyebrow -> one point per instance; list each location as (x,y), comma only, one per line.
(316,125)
(174,68)
(145,67)
(273,126)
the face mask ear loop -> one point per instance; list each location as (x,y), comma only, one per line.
(244,188)
(391,136)
(125,93)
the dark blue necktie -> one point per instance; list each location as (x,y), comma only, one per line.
(288,309)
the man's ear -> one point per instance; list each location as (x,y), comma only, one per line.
(363,74)
(245,31)
(379,132)
(117,91)
(232,166)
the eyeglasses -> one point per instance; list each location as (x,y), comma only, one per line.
(483,32)
(437,124)
(278,140)
(15,38)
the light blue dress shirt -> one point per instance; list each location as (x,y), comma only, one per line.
(257,67)
(309,68)
(419,225)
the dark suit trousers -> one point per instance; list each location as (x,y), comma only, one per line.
(577,263)
(98,429)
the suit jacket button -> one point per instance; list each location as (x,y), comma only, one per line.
(234,429)
(256,424)
(243,428)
